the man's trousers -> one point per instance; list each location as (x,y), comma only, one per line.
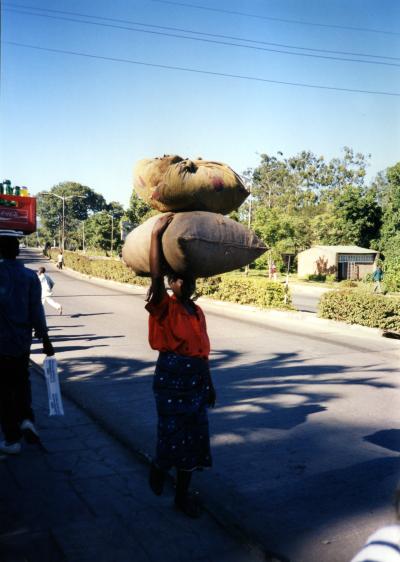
(15,395)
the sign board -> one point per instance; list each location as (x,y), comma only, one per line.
(18,213)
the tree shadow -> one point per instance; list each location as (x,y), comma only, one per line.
(262,459)
(387,438)
(79,315)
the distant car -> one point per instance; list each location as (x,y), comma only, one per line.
(22,245)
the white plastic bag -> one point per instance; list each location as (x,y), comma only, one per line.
(53,387)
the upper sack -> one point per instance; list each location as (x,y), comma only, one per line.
(172,183)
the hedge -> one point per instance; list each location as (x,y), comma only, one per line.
(255,291)
(360,307)
(111,269)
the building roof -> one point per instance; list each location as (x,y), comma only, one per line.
(347,249)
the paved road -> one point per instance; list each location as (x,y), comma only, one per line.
(83,500)
(306,430)
(305,303)
(306,297)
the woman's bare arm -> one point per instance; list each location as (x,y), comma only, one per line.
(157,288)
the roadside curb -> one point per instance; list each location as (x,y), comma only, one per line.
(215,507)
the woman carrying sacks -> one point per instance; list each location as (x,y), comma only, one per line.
(182,383)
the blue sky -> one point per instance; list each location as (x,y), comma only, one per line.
(67,117)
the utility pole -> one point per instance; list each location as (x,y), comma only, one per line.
(63,199)
(112,232)
(249,218)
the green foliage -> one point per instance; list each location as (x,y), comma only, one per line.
(392,263)
(361,307)
(304,200)
(347,283)
(138,210)
(316,277)
(254,291)
(81,202)
(390,195)
(233,288)
(98,231)
(114,270)
(358,215)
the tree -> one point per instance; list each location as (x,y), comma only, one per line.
(358,215)
(137,210)
(314,201)
(82,202)
(99,234)
(390,195)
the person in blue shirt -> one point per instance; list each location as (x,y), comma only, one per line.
(21,312)
(377,277)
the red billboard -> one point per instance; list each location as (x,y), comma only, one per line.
(18,213)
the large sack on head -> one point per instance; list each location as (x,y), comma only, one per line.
(195,243)
(174,184)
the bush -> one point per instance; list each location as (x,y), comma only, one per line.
(256,291)
(368,278)
(360,307)
(316,277)
(348,283)
(392,273)
(104,268)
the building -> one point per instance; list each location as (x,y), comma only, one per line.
(345,262)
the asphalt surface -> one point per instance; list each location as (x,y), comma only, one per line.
(305,434)
(85,499)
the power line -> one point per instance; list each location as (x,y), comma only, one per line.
(203,40)
(184,30)
(258,16)
(205,72)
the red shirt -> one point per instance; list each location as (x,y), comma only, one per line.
(172,328)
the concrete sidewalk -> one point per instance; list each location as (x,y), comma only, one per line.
(86,499)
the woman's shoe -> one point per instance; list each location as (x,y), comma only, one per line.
(189,505)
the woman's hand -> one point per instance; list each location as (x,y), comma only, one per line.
(162,223)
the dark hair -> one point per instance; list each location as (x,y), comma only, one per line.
(41,269)
(189,283)
(9,247)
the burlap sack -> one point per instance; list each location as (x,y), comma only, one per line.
(197,243)
(174,184)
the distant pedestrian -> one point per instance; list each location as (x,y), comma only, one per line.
(273,271)
(60,260)
(47,284)
(377,277)
(182,383)
(46,250)
(21,311)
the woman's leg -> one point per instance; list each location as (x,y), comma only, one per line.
(183,500)
(157,479)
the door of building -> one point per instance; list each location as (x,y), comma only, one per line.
(342,271)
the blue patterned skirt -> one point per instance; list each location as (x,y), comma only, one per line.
(181,386)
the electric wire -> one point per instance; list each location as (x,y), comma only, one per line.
(284,20)
(185,30)
(203,40)
(203,72)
